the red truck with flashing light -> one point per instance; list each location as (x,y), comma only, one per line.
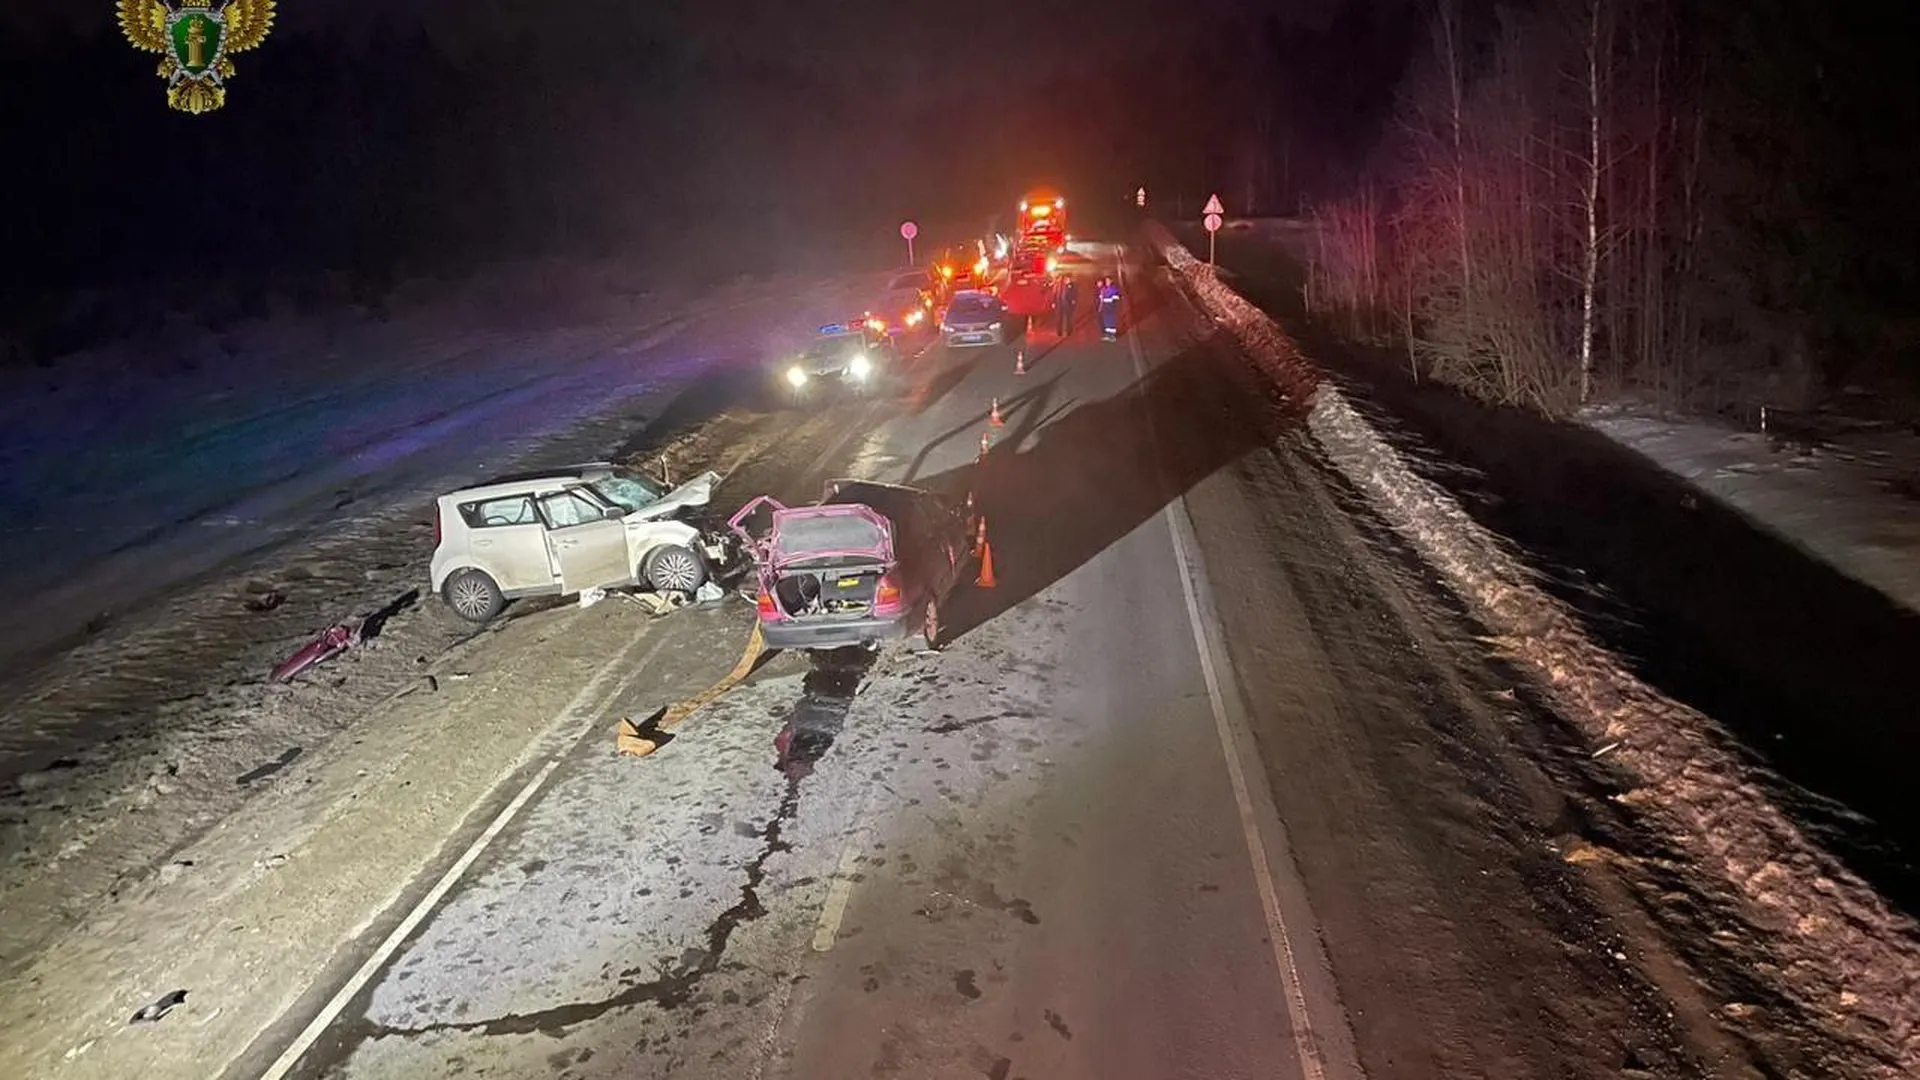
(1043,221)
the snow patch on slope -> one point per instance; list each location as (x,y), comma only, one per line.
(1842,952)
(1851,501)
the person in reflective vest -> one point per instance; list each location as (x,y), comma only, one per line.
(1108,296)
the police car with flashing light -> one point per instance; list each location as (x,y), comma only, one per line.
(854,356)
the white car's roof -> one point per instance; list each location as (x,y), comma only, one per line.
(525,482)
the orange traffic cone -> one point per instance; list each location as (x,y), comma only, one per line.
(993,416)
(1020,362)
(985,580)
(986,443)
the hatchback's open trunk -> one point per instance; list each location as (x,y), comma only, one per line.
(827,592)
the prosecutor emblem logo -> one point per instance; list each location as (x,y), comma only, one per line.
(196,40)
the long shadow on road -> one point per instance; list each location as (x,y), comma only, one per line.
(1808,668)
(1056,493)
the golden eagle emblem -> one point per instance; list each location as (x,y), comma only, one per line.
(195,41)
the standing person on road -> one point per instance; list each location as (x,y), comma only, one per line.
(1108,296)
(1069,293)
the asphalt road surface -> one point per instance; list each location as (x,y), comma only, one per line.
(1213,783)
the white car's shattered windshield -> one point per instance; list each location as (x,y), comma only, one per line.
(629,490)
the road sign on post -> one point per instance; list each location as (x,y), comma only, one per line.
(908,230)
(1213,205)
(1212,222)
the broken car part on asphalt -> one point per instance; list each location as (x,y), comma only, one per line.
(330,643)
(642,739)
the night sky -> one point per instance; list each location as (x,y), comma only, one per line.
(377,141)
(414,133)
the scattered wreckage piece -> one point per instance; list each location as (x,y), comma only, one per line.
(330,643)
(265,601)
(164,1004)
(340,637)
(643,738)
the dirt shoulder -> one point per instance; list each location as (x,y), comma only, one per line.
(119,752)
(245,927)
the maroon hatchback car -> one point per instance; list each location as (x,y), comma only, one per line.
(868,563)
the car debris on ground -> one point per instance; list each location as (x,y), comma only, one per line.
(342,636)
(640,739)
(161,1006)
(657,604)
(330,643)
(261,602)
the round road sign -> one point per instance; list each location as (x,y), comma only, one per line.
(1213,222)
(908,230)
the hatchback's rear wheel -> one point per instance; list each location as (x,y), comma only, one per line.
(931,632)
(673,568)
(473,595)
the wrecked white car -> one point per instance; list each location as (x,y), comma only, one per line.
(569,530)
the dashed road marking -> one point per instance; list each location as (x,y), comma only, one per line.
(835,908)
(588,694)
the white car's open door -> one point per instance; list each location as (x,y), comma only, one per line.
(587,549)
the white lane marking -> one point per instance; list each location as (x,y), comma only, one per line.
(283,1065)
(1305,1044)
(838,894)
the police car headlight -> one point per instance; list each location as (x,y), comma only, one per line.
(796,377)
(860,366)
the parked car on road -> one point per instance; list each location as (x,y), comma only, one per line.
(974,318)
(567,530)
(869,563)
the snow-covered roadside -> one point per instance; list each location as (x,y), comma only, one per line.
(1837,949)
(1851,500)
(123,748)
(127,480)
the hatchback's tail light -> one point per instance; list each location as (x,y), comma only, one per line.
(768,610)
(887,593)
(437,527)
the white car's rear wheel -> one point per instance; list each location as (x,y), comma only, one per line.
(473,595)
(675,569)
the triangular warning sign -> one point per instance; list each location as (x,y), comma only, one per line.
(1214,207)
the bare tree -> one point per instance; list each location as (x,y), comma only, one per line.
(1528,231)
(1598,48)
(1446,28)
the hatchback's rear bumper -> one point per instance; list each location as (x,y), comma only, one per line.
(832,634)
